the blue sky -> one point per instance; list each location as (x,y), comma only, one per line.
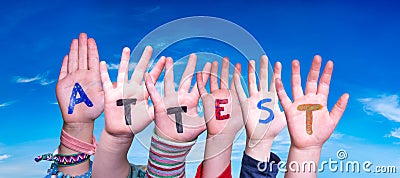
(361,38)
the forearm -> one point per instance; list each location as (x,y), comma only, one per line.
(111,156)
(304,159)
(259,149)
(83,132)
(217,156)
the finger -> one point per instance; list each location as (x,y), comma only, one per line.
(123,67)
(277,74)
(283,97)
(141,67)
(252,81)
(158,68)
(238,67)
(105,77)
(214,77)
(83,51)
(93,55)
(325,81)
(238,84)
(169,84)
(224,73)
(154,95)
(264,73)
(200,83)
(339,108)
(206,75)
(312,79)
(187,76)
(73,57)
(64,68)
(297,91)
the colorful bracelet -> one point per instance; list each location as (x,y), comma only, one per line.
(71,160)
(53,171)
(64,160)
(78,145)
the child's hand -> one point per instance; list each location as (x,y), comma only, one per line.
(81,66)
(115,113)
(175,104)
(223,117)
(310,133)
(262,116)
(226,122)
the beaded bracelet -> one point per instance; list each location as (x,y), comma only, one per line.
(64,160)
(53,171)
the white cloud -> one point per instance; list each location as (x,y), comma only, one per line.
(387,106)
(142,12)
(3,157)
(6,104)
(41,79)
(395,133)
(337,136)
(54,103)
(113,66)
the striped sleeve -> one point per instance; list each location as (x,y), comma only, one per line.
(167,158)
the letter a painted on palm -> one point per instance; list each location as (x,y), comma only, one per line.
(74,101)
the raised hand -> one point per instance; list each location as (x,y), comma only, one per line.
(80,66)
(80,95)
(323,122)
(223,117)
(176,115)
(120,125)
(262,116)
(119,95)
(229,120)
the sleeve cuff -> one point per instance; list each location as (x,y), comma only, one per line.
(226,174)
(172,143)
(268,167)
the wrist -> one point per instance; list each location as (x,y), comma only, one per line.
(162,134)
(258,149)
(111,143)
(217,155)
(223,138)
(112,153)
(217,145)
(308,149)
(307,158)
(302,155)
(81,131)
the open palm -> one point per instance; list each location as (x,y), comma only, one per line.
(229,126)
(324,122)
(191,124)
(141,115)
(256,128)
(81,66)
